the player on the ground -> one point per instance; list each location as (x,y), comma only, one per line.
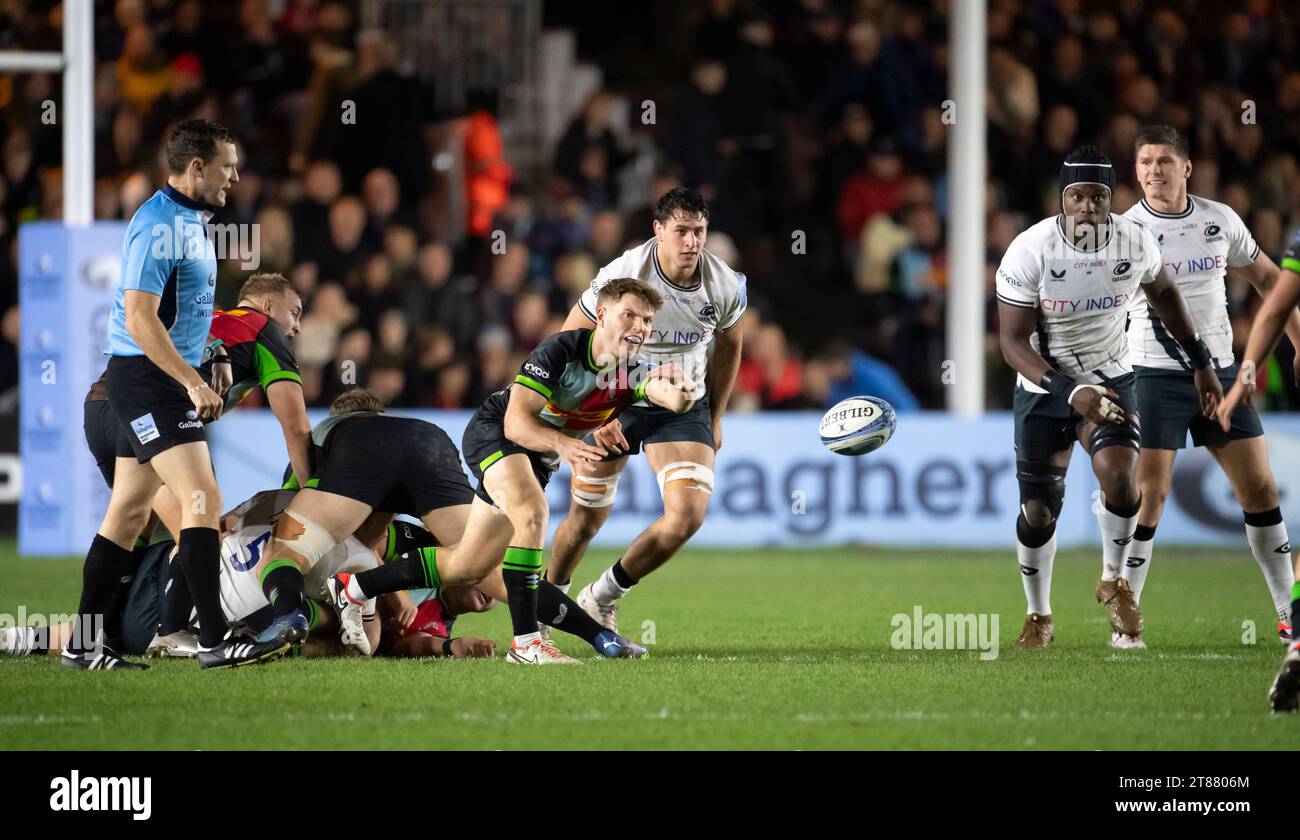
(1200,240)
(1063,289)
(704,300)
(364,461)
(416,571)
(1275,315)
(574,382)
(245,531)
(157,331)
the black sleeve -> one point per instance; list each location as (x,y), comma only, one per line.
(544,366)
(274,358)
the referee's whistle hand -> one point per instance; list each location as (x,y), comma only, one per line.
(206,402)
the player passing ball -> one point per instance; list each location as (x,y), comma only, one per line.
(704,302)
(574,382)
(1063,290)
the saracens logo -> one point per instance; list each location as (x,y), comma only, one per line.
(708,313)
(1211,230)
(1123,268)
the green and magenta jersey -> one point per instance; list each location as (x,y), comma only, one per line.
(579,395)
(258,349)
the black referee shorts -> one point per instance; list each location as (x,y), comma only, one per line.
(105,437)
(152,409)
(394,465)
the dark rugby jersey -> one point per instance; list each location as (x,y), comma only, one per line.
(579,396)
(259,352)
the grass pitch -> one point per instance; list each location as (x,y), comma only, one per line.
(781,649)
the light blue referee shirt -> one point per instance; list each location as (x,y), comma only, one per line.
(167,253)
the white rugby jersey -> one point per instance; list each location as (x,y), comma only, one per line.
(1082,297)
(1196,246)
(241,593)
(683,328)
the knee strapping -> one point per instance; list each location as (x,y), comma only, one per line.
(1042,490)
(1114,434)
(302,537)
(1033,536)
(685,475)
(595,491)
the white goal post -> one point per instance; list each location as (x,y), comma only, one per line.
(76,116)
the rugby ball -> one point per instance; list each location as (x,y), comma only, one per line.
(858,425)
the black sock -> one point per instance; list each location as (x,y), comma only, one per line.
(116,604)
(621,577)
(100,576)
(413,570)
(177,602)
(199,554)
(561,612)
(283,585)
(522,571)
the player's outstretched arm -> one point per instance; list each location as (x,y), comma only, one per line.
(149,333)
(1264,274)
(667,386)
(524,426)
(1164,297)
(724,365)
(1015,325)
(290,409)
(1264,334)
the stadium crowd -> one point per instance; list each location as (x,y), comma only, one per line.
(816,129)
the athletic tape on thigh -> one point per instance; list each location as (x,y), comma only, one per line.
(700,476)
(303,537)
(1114,434)
(595,491)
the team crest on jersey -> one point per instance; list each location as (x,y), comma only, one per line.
(1122,270)
(1212,232)
(708,313)
(1057,275)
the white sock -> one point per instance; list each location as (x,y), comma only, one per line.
(1272,549)
(605,589)
(1138,564)
(526,639)
(563,587)
(354,591)
(1036,574)
(17,641)
(1116,534)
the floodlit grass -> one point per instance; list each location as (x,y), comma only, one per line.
(776,649)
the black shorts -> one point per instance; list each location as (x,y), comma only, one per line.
(1046,424)
(394,465)
(144,602)
(152,409)
(1171,408)
(105,437)
(485,443)
(652,424)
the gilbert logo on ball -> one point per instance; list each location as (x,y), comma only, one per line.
(858,425)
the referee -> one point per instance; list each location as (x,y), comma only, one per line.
(156,334)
